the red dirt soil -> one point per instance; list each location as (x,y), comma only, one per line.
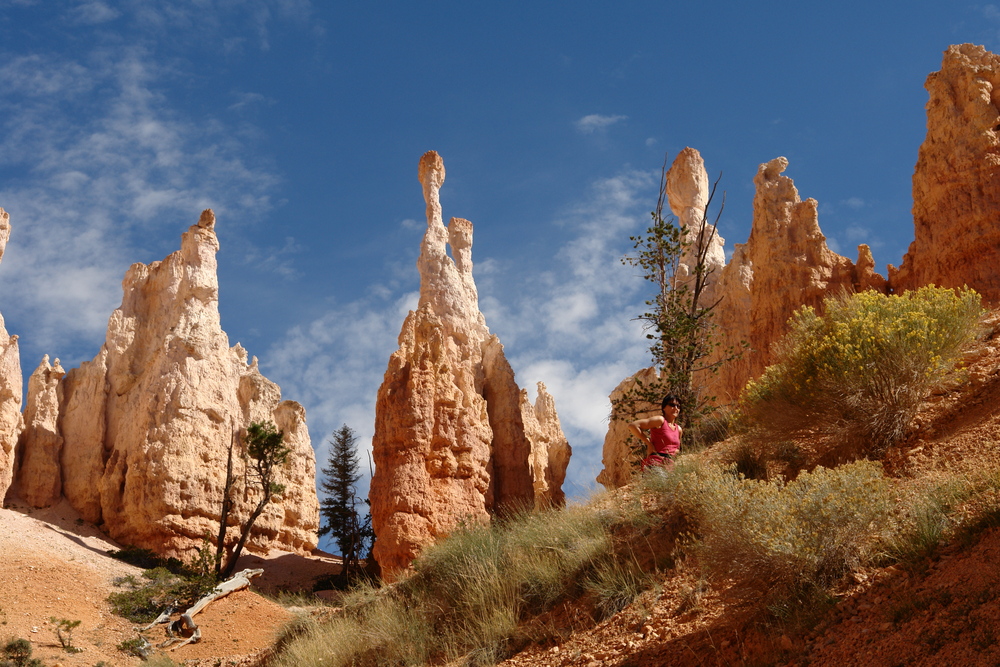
(53,565)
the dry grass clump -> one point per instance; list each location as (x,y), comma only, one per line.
(471,593)
(853,378)
(783,542)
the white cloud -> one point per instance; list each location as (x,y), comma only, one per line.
(595,122)
(857,234)
(93,13)
(108,172)
(854,203)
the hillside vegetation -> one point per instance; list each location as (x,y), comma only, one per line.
(823,486)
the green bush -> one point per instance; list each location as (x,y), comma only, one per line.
(782,543)
(854,377)
(17,653)
(143,601)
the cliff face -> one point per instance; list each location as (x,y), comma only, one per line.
(956,183)
(146,425)
(453,442)
(11,386)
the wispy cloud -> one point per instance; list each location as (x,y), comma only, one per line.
(106,171)
(596,122)
(93,13)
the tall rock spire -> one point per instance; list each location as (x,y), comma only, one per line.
(956,183)
(453,441)
(147,424)
(11,386)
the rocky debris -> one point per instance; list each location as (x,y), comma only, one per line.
(39,474)
(11,386)
(148,422)
(956,183)
(451,441)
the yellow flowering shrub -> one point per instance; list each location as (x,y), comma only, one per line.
(853,378)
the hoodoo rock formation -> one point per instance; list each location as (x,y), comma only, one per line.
(147,424)
(956,184)
(11,386)
(550,451)
(617,456)
(784,265)
(688,191)
(39,475)
(455,440)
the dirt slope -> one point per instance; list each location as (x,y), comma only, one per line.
(51,564)
(942,612)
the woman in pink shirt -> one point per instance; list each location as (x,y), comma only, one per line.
(664,437)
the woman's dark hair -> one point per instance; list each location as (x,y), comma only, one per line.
(670,399)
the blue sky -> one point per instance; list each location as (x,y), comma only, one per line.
(302,123)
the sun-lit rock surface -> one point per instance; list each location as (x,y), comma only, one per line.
(451,444)
(784,265)
(617,455)
(550,451)
(956,183)
(39,474)
(148,422)
(688,191)
(11,386)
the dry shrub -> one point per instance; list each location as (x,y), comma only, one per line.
(852,379)
(783,542)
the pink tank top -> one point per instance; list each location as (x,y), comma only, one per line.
(666,440)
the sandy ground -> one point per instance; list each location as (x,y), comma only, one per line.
(54,565)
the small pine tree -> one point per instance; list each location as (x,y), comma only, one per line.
(266,453)
(340,506)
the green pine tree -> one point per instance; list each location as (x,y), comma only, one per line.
(339,508)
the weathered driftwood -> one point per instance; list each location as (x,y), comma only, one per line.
(184,630)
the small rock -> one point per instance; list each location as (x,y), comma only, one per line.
(786,643)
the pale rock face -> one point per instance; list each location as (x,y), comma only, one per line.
(956,183)
(148,422)
(11,386)
(550,451)
(617,456)
(784,265)
(688,192)
(39,475)
(451,444)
